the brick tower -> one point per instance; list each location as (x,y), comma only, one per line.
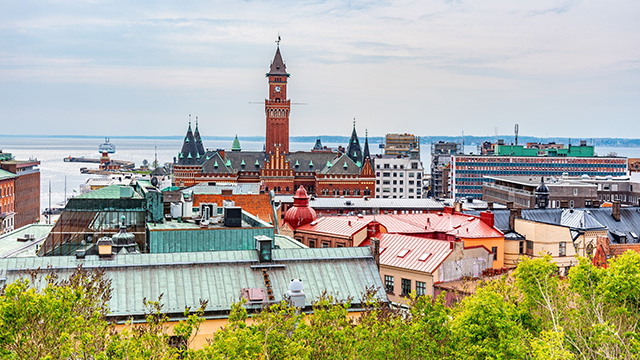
(277,107)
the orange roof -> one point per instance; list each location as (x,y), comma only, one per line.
(255,204)
(414,253)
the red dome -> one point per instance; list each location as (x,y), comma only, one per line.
(300,214)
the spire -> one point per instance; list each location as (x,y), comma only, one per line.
(366,156)
(198,140)
(236,144)
(277,65)
(189,149)
(354,151)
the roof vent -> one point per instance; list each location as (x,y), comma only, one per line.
(295,294)
(105,245)
(233,216)
(264,245)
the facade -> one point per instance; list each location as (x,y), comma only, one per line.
(320,171)
(412,264)
(7,201)
(468,173)
(440,159)
(620,188)
(402,145)
(520,190)
(27,188)
(398,178)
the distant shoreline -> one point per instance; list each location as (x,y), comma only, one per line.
(426,140)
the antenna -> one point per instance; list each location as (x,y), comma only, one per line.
(516,128)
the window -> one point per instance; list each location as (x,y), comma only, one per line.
(312,243)
(388,283)
(340,245)
(494,251)
(421,288)
(406,286)
(410,174)
(414,165)
(521,250)
(562,249)
(529,247)
(575,192)
(325,244)
(571,204)
(386,166)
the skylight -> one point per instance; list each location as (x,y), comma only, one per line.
(402,253)
(424,256)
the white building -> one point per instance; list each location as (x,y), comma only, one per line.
(398,178)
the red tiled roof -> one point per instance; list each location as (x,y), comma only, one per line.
(393,246)
(336,225)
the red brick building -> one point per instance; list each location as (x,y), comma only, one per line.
(27,190)
(346,172)
(7,201)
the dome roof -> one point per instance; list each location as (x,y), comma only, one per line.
(301,213)
(542,188)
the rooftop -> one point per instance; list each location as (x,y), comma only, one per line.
(15,244)
(219,277)
(413,253)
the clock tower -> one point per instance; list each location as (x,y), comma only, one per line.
(277,107)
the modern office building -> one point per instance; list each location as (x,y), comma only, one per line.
(402,145)
(398,178)
(468,173)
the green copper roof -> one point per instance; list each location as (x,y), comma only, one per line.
(6,175)
(189,156)
(180,155)
(311,163)
(236,144)
(297,163)
(359,163)
(328,163)
(242,163)
(109,192)
(228,163)
(215,164)
(345,165)
(257,162)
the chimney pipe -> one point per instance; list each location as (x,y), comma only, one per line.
(615,210)
(513,215)
(375,249)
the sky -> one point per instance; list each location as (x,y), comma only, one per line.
(124,67)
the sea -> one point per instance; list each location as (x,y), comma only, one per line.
(66,179)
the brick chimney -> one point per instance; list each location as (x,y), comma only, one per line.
(457,207)
(375,249)
(513,215)
(615,210)
(564,204)
(487,218)
(509,205)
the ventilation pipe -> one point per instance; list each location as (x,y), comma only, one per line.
(615,210)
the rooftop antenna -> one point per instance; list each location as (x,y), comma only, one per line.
(516,128)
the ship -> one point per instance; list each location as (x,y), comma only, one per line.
(107,147)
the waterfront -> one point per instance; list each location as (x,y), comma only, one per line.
(50,151)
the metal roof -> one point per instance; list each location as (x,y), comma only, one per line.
(403,251)
(358,203)
(6,175)
(345,226)
(110,192)
(219,277)
(11,247)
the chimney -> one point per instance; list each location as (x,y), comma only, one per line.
(615,210)
(489,205)
(264,245)
(595,203)
(487,218)
(564,204)
(296,295)
(509,205)
(375,249)
(457,207)
(513,215)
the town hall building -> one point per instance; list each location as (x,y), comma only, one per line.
(321,171)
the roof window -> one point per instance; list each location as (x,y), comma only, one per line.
(424,256)
(403,253)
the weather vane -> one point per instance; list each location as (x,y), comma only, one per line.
(278,41)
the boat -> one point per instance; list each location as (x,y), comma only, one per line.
(107,147)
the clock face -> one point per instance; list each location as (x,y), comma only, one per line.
(277,88)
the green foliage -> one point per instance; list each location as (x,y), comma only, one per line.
(531,314)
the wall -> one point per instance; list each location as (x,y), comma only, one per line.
(399,274)
(489,243)
(546,238)
(469,262)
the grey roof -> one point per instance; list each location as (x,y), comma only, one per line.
(215,164)
(219,277)
(277,66)
(189,153)
(249,157)
(305,158)
(580,219)
(10,246)
(354,151)
(320,203)
(342,165)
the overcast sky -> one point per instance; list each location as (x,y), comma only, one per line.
(557,68)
